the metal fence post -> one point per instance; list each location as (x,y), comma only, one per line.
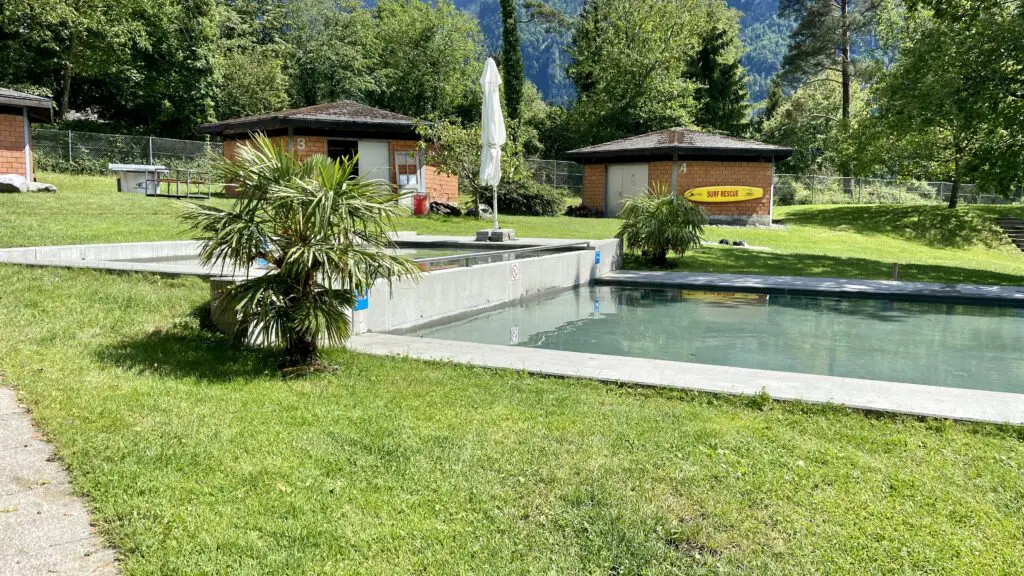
(150,150)
(69,145)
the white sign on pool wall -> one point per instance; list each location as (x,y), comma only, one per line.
(515,271)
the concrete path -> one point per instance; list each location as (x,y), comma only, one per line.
(915,399)
(963,293)
(44,528)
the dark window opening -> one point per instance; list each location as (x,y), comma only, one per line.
(343,149)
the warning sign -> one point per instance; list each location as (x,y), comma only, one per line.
(515,271)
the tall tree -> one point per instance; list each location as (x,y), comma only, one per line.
(721,92)
(809,120)
(56,44)
(629,65)
(511,59)
(332,51)
(954,99)
(432,62)
(822,42)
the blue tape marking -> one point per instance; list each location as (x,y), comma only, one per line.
(362,302)
(597,305)
(597,256)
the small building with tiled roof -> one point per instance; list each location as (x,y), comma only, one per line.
(17,112)
(731,178)
(388,144)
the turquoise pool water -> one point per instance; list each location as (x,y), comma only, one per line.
(959,346)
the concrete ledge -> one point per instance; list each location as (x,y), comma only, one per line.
(449,292)
(913,399)
(806,285)
(727,220)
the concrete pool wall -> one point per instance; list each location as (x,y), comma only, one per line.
(445,293)
(114,257)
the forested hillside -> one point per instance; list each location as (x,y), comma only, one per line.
(763,33)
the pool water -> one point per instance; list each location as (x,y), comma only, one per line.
(979,347)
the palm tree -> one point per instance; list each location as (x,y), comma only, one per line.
(320,233)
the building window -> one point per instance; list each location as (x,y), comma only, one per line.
(408,167)
(343,149)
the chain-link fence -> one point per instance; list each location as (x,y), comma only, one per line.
(558,173)
(71,151)
(808,189)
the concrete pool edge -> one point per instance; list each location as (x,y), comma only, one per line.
(819,286)
(874,395)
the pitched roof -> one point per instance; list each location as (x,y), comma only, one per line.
(683,142)
(39,107)
(340,114)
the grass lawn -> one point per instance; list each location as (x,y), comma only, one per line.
(931,243)
(198,459)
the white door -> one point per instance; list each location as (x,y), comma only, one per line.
(374,159)
(623,181)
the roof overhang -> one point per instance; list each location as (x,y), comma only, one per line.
(39,109)
(342,127)
(692,153)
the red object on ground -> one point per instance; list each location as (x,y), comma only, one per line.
(420,206)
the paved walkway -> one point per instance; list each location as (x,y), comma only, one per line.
(965,293)
(44,528)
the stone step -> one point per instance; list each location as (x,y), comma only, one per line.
(1014,229)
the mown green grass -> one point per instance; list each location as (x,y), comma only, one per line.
(198,459)
(87,210)
(929,242)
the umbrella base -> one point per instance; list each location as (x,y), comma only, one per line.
(495,235)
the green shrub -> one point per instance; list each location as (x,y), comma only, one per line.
(96,165)
(657,222)
(526,198)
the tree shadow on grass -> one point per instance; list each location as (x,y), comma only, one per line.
(189,349)
(931,225)
(739,261)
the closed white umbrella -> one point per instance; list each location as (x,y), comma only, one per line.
(492,133)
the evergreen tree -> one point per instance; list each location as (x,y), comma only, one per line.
(629,66)
(721,94)
(511,59)
(822,41)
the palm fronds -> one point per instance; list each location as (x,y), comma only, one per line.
(322,233)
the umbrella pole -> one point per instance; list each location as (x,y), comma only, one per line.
(494,189)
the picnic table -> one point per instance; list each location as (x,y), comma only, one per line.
(161,181)
(184,183)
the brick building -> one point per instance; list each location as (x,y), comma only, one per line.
(387,143)
(731,178)
(17,111)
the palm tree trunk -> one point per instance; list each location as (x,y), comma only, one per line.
(300,351)
(300,348)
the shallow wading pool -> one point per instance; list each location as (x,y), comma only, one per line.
(951,345)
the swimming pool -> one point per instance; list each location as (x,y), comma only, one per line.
(959,346)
